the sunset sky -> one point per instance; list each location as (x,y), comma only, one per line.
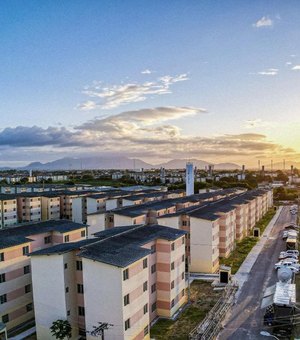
(156,80)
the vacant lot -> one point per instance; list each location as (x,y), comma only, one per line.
(203,299)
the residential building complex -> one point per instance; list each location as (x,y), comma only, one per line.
(16,304)
(126,276)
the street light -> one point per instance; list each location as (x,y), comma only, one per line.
(265,333)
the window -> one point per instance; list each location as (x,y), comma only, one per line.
(145,263)
(67,238)
(5,318)
(145,286)
(79,265)
(153,307)
(1,257)
(173,246)
(68,313)
(125,274)
(126,300)
(183,240)
(153,249)
(47,239)
(67,289)
(146,308)
(127,324)
(182,276)
(80,288)
(172,303)
(25,250)
(3,299)
(83,233)
(29,307)
(66,266)
(172,266)
(182,258)
(81,311)
(172,284)
(2,278)
(182,293)
(26,270)
(153,288)
(27,289)
(153,268)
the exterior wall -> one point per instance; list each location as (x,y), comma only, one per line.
(95,205)
(171,221)
(121,220)
(170,297)
(8,213)
(204,245)
(78,210)
(103,281)
(14,286)
(96,223)
(48,292)
(227,233)
(29,209)
(50,208)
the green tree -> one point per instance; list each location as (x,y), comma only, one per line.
(61,329)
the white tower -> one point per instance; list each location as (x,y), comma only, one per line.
(189,179)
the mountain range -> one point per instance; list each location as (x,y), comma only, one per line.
(88,163)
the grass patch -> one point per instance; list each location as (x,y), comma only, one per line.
(243,247)
(203,298)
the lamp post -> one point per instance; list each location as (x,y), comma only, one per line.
(265,333)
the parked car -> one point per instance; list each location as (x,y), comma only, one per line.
(293,252)
(293,266)
(288,257)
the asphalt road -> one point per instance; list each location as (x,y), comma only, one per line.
(246,318)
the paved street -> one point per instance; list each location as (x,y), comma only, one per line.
(246,318)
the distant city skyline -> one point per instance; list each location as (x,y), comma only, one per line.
(151,80)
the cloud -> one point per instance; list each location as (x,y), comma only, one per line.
(263,22)
(296,68)
(147,71)
(258,123)
(150,132)
(109,97)
(288,63)
(269,72)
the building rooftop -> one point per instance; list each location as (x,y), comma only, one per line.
(17,235)
(121,246)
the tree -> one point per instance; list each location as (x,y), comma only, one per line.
(61,329)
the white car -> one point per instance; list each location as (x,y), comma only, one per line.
(293,252)
(293,266)
(288,257)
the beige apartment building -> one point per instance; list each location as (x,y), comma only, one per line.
(214,228)
(50,207)
(16,303)
(8,211)
(135,273)
(29,208)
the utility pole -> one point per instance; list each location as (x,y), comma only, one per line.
(100,329)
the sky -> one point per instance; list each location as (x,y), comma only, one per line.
(154,80)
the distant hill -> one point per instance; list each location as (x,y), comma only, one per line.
(88,163)
(180,163)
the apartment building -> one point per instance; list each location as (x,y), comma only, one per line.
(16,303)
(29,208)
(8,210)
(150,211)
(50,206)
(126,276)
(214,227)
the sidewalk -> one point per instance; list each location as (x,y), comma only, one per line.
(242,274)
